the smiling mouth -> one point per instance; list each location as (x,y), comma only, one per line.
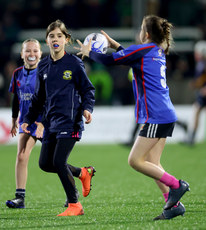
(55,45)
(31,58)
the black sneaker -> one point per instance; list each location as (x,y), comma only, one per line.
(172,212)
(176,194)
(15,203)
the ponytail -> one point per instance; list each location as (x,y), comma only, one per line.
(159,30)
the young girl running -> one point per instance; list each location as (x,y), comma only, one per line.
(65,94)
(22,86)
(153,105)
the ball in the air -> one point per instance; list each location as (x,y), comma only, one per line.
(99,42)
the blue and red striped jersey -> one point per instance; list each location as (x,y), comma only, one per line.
(23,84)
(153,104)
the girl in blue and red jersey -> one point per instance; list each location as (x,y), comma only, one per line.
(22,86)
(65,94)
(153,105)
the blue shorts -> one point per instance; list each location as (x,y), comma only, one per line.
(31,128)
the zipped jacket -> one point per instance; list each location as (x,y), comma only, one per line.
(63,91)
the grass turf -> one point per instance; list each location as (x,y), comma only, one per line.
(120,198)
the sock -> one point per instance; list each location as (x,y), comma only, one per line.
(166,196)
(170,181)
(20,193)
(176,204)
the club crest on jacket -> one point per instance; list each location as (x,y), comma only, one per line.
(67,75)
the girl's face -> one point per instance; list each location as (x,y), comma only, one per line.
(31,54)
(56,41)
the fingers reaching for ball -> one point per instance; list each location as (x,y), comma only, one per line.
(97,42)
(83,49)
(111,42)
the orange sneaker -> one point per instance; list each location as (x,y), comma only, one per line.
(74,209)
(86,176)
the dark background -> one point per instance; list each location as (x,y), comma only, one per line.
(22,19)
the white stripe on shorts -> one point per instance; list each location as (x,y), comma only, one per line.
(148,131)
(152,130)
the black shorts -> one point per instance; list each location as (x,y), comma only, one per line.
(157,130)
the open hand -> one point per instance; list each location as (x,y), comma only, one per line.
(83,49)
(24,127)
(40,129)
(14,127)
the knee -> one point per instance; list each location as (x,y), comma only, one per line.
(44,166)
(22,157)
(131,161)
(58,163)
(135,163)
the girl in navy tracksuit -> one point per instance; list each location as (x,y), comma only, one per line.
(64,94)
(153,108)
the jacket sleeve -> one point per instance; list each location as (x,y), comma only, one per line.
(15,100)
(105,59)
(86,89)
(15,106)
(37,101)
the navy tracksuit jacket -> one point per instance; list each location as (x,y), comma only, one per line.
(63,91)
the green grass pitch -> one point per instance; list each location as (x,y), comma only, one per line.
(120,198)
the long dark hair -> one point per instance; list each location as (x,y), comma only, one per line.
(159,30)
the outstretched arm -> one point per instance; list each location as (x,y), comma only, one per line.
(106,59)
(112,43)
(84,50)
